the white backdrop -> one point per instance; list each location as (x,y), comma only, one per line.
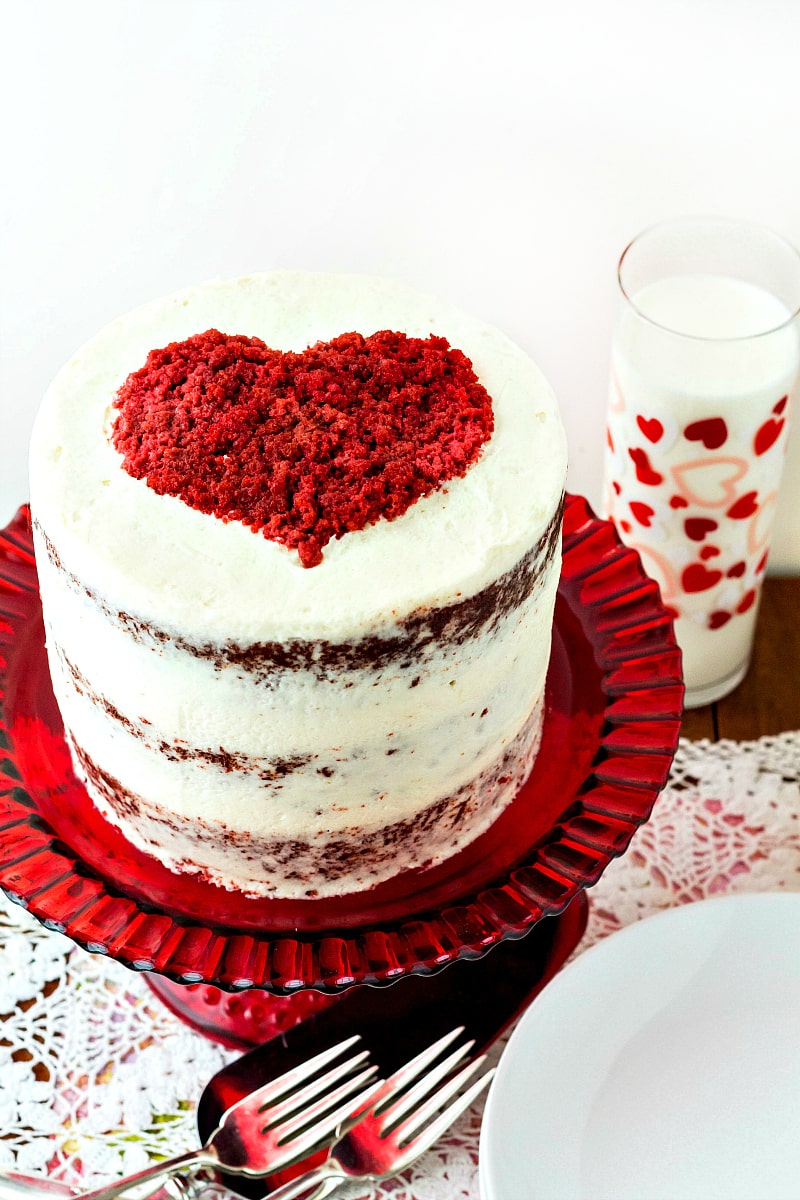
(498,154)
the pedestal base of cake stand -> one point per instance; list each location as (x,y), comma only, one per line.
(506,979)
(242,1019)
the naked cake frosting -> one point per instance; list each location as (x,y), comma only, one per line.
(298,541)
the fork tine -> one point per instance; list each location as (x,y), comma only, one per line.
(280,1110)
(411,1070)
(276,1089)
(393,1114)
(443,1122)
(404,1133)
(350,1112)
(327,1106)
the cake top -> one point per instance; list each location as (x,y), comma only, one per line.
(302,447)
(159,559)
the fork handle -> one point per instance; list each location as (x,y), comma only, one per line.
(325,1176)
(186,1165)
(14,1186)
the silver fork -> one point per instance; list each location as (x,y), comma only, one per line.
(283,1122)
(397,1124)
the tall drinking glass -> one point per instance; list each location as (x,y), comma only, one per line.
(704,364)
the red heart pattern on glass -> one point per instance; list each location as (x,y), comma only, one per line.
(644,471)
(697,527)
(651,427)
(767,435)
(711,431)
(642,512)
(698,578)
(744,507)
(696,499)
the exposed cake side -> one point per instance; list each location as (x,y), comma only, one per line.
(307,764)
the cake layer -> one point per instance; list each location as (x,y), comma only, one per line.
(317,865)
(270,724)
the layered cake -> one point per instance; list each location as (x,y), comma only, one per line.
(298,540)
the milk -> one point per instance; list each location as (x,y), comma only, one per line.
(703,369)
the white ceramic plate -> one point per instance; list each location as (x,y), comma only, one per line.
(663,1064)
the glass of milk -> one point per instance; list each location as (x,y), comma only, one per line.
(704,364)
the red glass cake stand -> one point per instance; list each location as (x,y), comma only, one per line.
(613,708)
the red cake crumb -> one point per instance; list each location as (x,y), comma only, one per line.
(302,447)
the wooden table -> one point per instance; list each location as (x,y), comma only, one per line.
(767,701)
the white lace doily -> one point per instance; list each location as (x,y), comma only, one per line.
(97,1078)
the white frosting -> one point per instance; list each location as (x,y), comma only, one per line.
(163,558)
(473,699)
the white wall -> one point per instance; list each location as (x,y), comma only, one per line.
(500,154)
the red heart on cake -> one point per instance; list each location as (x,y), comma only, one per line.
(303,447)
(780,406)
(711,431)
